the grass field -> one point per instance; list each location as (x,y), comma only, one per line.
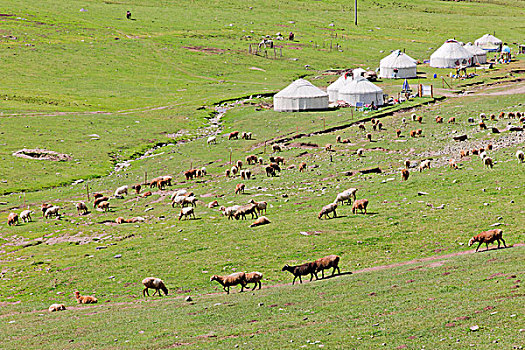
(415,284)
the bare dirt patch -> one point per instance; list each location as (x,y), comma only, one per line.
(42,154)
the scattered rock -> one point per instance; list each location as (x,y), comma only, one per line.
(474,328)
(188,298)
(118,256)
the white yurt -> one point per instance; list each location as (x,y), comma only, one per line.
(479,55)
(361,90)
(301,95)
(450,55)
(489,43)
(333,89)
(398,65)
(358,72)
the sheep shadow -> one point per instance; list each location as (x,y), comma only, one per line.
(326,277)
(491,249)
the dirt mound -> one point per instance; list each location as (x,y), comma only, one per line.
(42,154)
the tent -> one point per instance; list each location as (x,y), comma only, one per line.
(362,91)
(479,55)
(398,65)
(451,55)
(333,89)
(300,95)
(489,43)
(358,72)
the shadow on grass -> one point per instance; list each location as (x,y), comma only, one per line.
(336,275)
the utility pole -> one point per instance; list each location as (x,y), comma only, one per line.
(355,16)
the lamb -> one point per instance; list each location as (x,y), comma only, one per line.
(230,280)
(52,211)
(424,165)
(234,170)
(398,133)
(277,148)
(239,188)
(102,205)
(137,188)
(121,191)
(260,206)
(239,164)
(254,277)
(213,204)
(420,119)
(270,171)
(233,135)
(56,307)
(302,270)
(154,283)
(99,200)
(12,219)
(439,119)
(482,125)
(25,216)
(245,210)
(521,156)
(452,164)
(187,213)
(407,163)
(302,167)
(86,299)
(404,174)
(360,152)
(360,204)
(327,209)
(488,237)
(263,220)
(211,140)
(331,261)
(489,163)
(230,211)
(451,120)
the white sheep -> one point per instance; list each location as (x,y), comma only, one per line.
(360,152)
(190,200)
(179,193)
(483,155)
(229,211)
(52,211)
(187,212)
(25,216)
(424,165)
(56,307)
(211,139)
(346,196)
(234,170)
(204,171)
(121,191)
(521,156)
(81,207)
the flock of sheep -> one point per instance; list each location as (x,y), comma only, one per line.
(187,201)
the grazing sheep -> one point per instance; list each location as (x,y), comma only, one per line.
(188,200)
(414,116)
(338,139)
(413,133)
(153,182)
(327,209)
(230,211)
(511,115)
(154,283)
(190,174)
(404,174)
(419,132)
(492,116)
(483,155)
(278,160)
(276,148)
(346,195)
(380,126)
(452,164)
(249,136)
(245,210)
(302,270)
(167,179)
(360,204)
(230,280)
(12,219)
(420,119)
(373,121)
(275,166)
(360,152)
(261,160)
(488,237)
(470,120)
(233,135)
(489,146)
(398,133)
(187,213)
(52,211)
(369,137)
(137,188)
(439,119)
(451,120)
(25,216)
(211,140)
(374,127)
(482,116)
(44,207)
(239,188)
(102,205)
(407,163)
(462,153)
(260,206)
(482,126)
(362,127)
(254,277)
(86,299)
(474,151)
(302,167)
(521,156)
(270,171)
(234,170)
(246,174)
(213,204)
(251,159)
(424,165)
(227,173)
(328,262)
(121,191)
(345,141)
(489,163)
(56,307)
(404,120)
(239,164)
(502,115)
(99,200)
(263,220)
(95,195)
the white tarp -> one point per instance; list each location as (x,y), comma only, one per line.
(489,42)
(333,89)
(480,55)
(398,65)
(451,55)
(300,95)
(361,90)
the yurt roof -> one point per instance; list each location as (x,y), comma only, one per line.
(301,88)
(360,86)
(475,50)
(452,49)
(488,38)
(339,83)
(398,59)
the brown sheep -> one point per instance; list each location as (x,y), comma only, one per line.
(95,195)
(302,270)
(263,220)
(407,163)
(345,141)
(420,119)
(275,166)
(279,160)
(260,206)
(137,188)
(103,205)
(489,163)
(482,126)
(227,173)
(254,277)
(489,147)
(146,194)
(374,127)
(230,280)
(369,137)
(270,171)
(404,174)
(154,283)
(493,117)
(277,148)
(419,132)
(328,262)
(413,133)
(362,127)
(328,147)
(327,209)
(452,164)
(502,115)
(99,200)
(360,204)
(46,206)
(81,207)
(12,219)
(451,120)
(462,153)
(488,237)
(239,188)
(244,210)
(86,299)
(239,164)
(439,119)
(302,167)
(511,115)
(251,159)
(233,135)
(398,133)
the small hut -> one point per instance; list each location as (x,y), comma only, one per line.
(451,55)
(398,65)
(301,95)
(333,89)
(489,43)
(479,55)
(362,91)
